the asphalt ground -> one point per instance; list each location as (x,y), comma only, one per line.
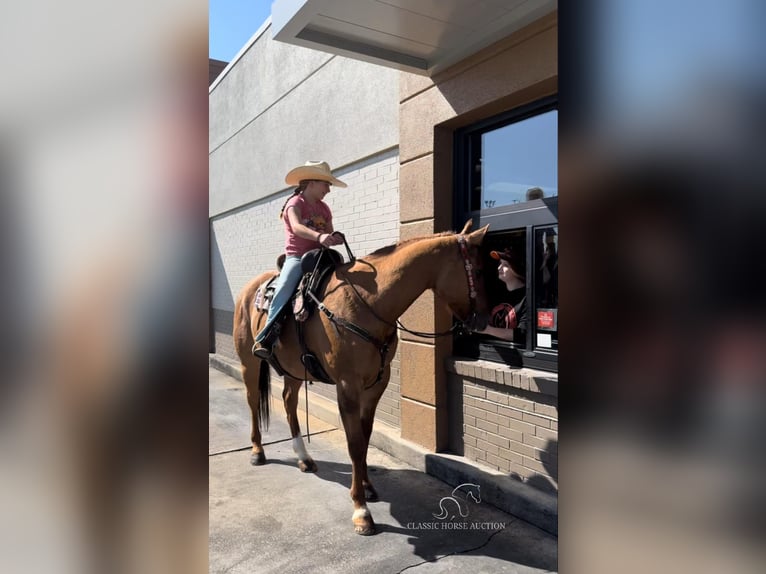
(274,518)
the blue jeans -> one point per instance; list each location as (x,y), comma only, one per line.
(287,282)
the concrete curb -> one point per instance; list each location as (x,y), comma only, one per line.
(225,366)
(499,490)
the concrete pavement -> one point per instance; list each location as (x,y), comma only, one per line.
(274,518)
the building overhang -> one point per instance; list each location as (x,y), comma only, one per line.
(418,36)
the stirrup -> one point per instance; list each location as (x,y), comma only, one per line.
(265,348)
(262,352)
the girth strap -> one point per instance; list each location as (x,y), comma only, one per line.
(309,360)
(383,346)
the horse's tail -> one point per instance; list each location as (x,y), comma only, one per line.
(264,389)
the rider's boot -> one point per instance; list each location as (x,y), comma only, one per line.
(264,348)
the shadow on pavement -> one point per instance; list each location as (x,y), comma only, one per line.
(258,514)
(414,500)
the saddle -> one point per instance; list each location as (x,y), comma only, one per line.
(265,294)
(316,266)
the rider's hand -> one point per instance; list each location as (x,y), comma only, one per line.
(328,239)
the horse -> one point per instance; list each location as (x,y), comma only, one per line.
(369,294)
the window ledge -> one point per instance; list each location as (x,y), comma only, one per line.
(526,379)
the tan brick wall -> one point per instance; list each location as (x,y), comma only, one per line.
(516,70)
(511,427)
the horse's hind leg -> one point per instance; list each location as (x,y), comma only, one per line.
(251,376)
(290,394)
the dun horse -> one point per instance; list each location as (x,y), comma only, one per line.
(370,293)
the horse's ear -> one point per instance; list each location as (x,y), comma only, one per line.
(477,236)
(467,227)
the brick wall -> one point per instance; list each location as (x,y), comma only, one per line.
(506,418)
(388,407)
(247,241)
(224,340)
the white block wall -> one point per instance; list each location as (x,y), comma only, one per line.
(367,212)
(247,241)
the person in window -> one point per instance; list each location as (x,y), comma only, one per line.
(509,318)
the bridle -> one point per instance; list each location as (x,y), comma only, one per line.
(469,275)
(472,295)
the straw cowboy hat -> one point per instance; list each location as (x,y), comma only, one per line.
(312,170)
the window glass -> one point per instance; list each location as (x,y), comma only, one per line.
(546,288)
(518,162)
(506,175)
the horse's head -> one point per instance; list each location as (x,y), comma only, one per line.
(460,282)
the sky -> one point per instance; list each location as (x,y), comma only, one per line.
(232,23)
(520,156)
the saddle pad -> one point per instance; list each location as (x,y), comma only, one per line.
(264,295)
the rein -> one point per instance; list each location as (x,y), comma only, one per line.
(398,324)
(455,327)
(351,256)
(384,345)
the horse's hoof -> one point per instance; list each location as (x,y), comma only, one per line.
(307,465)
(367,529)
(363,523)
(258,459)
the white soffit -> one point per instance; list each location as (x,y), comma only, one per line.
(419,36)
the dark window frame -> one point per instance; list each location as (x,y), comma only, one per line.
(527,216)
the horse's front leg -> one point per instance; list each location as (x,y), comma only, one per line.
(357,449)
(370,399)
(370,494)
(290,395)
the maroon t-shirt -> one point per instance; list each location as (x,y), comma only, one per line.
(316,216)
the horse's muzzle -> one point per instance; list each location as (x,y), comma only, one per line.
(475,322)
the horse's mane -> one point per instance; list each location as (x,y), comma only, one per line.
(389,249)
